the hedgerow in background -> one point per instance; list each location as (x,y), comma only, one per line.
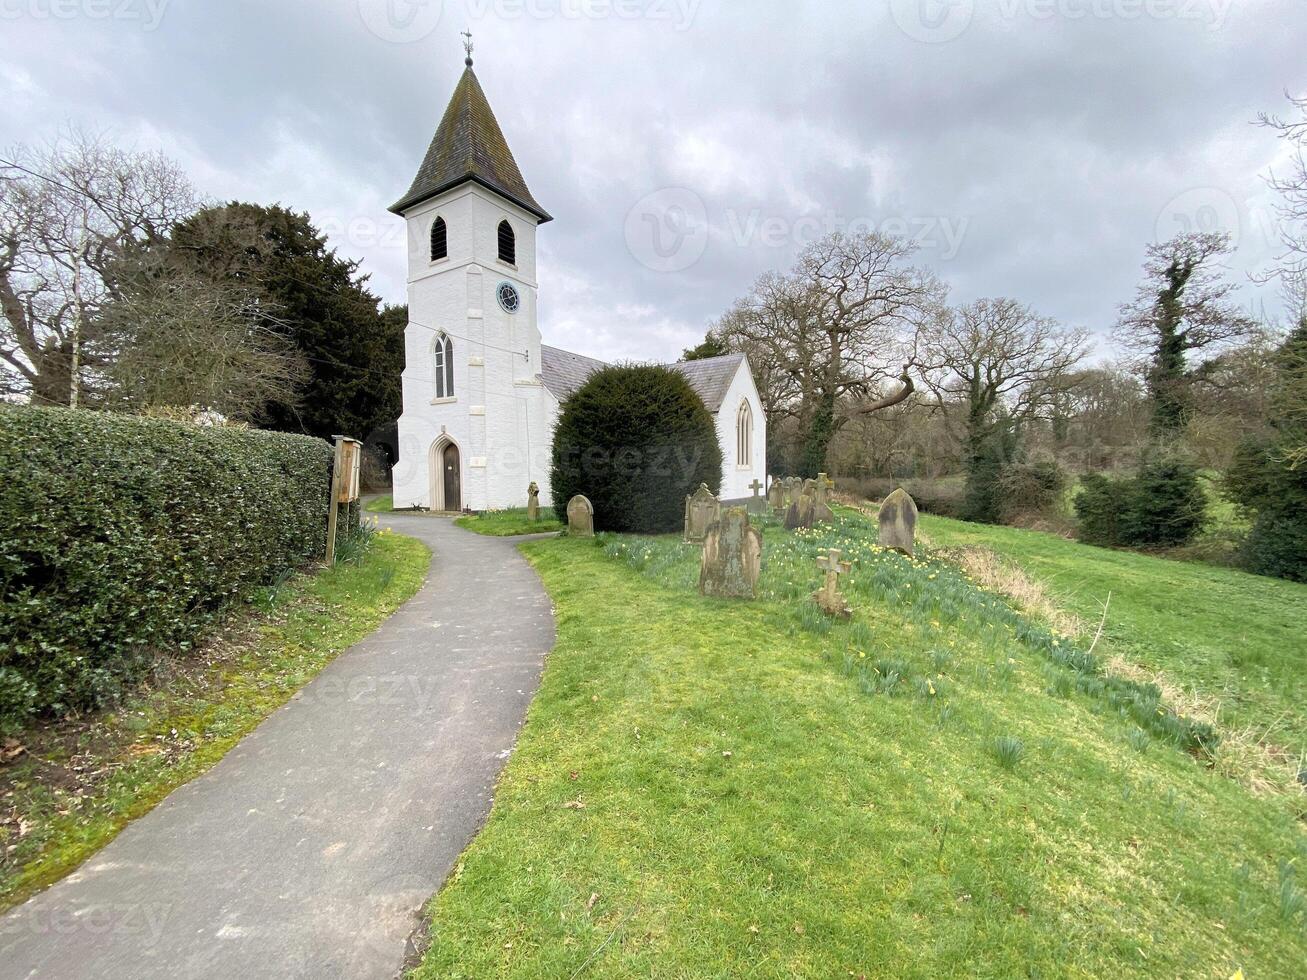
(635,440)
(121,536)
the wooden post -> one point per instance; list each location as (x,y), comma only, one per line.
(335,497)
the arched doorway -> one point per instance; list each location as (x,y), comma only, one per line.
(452,479)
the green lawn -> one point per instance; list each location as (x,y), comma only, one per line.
(1219,632)
(80,783)
(509,522)
(381,505)
(707,788)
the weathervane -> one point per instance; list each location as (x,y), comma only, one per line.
(467,46)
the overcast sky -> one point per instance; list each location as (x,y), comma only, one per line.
(1033,147)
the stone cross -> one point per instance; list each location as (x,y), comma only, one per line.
(533,502)
(580,517)
(732,557)
(701,509)
(757,504)
(828,596)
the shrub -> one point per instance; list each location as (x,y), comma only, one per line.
(121,536)
(635,440)
(1031,486)
(1163,505)
(1262,482)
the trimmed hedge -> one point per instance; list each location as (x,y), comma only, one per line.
(635,439)
(123,536)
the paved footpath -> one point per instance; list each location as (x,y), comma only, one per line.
(309,849)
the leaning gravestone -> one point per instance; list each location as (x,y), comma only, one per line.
(580,517)
(701,509)
(829,597)
(732,557)
(776,497)
(801,511)
(533,502)
(898,522)
(821,512)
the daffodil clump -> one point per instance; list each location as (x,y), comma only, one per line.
(926,598)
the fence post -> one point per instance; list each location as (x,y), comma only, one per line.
(335,498)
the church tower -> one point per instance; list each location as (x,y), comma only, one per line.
(474,431)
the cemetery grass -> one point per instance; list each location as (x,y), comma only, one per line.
(716,788)
(1235,640)
(509,522)
(77,783)
(380,505)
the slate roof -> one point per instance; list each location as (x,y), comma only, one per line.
(469,146)
(562,372)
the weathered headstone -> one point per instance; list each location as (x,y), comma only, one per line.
(898,522)
(732,557)
(580,517)
(701,509)
(757,504)
(793,490)
(828,596)
(776,497)
(821,512)
(533,502)
(800,512)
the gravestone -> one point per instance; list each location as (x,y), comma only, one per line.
(533,502)
(828,596)
(801,511)
(793,490)
(757,504)
(701,509)
(821,512)
(898,522)
(776,497)
(580,517)
(732,557)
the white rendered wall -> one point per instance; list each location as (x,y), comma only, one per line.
(735,478)
(496,416)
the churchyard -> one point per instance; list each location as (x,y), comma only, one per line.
(951,769)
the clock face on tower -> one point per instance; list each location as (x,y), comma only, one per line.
(509,300)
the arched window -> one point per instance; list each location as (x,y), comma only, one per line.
(442,366)
(507,243)
(744,435)
(439,240)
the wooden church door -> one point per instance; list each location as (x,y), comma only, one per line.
(453,497)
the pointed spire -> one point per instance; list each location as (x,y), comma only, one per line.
(469,146)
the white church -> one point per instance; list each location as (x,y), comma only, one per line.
(481,392)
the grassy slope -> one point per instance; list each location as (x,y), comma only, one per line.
(506,523)
(1220,632)
(162,739)
(705,788)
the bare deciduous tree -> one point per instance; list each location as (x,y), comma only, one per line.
(187,341)
(1292,185)
(67,213)
(826,337)
(996,355)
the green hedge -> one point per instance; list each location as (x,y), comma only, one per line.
(123,536)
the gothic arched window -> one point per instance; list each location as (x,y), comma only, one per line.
(442,366)
(439,242)
(507,243)
(744,435)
